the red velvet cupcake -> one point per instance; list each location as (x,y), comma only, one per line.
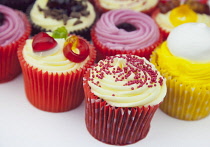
(122,93)
(53,69)
(15,29)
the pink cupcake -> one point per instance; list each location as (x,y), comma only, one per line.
(125,32)
(122,93)
(53,69)
(15,29)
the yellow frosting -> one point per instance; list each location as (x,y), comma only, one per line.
(136,5)
(180,68)
(117,93)
(55,62)
(163,20)
(48,23)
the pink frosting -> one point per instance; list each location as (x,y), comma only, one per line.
(108,34)
(12,28)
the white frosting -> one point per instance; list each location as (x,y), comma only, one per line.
(136,5)
(190,41)
(123,95)
(163,20)
(52,24)
(55,62)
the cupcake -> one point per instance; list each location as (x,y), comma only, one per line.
(17,4)
(145,6)
(122,94)
(186,66)
(77,16)
(173,13)
(125,32)
(53,69)
(15,29)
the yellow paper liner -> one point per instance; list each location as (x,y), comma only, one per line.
(101,9)
(103,51)
(54,92)
(9,64)
(164,32)
(183,100)
(115,125)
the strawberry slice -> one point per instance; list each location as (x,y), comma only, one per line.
(43,42)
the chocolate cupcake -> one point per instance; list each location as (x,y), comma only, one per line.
(77,16)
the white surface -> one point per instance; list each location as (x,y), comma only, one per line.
(23,125)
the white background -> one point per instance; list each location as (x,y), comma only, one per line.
(23,125)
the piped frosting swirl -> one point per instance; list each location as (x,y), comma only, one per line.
(12,28)
(110,35)
(127,81)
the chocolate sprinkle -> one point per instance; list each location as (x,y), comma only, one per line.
(1,18)
(77,22)
(65,10)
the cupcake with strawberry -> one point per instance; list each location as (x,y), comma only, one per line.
(53,65)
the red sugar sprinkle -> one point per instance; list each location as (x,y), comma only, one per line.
(142,71)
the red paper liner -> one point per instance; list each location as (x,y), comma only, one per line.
(115,125)
(103,51)
(164,32)
(54,92)
(101,9)
(9,64)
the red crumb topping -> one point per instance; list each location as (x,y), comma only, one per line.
(143,72)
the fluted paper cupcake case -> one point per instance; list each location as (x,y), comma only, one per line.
(184,100)
(54,92)
(85,32)
(103,51)
(101,9)
(115,125)
(9,64)
(164,32)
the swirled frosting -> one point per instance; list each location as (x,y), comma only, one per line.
(137,5)
(163,20)
(55,62)
(193,42)
(52,24)
(12,28)
(110,35)
(127,81)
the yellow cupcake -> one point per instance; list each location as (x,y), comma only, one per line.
(184,60)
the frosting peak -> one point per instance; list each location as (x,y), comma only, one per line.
(190,41)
